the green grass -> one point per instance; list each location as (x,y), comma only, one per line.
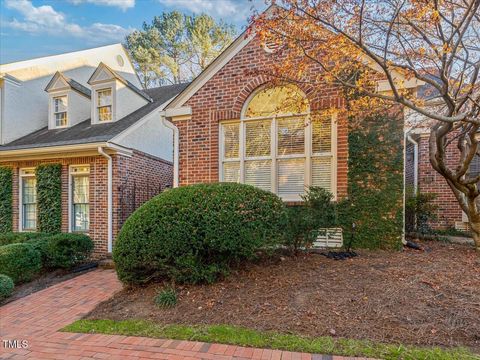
(226,334)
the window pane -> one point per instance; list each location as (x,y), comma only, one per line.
(321,134)
(61,119)
(60,103)
(29,203)
(81,217)
(291,176)
(104,97)
(258,173)
(231,171)
(277,100)
(81,186)
(322,172)
(105,113)
(257,138)
(290,136)
(80,199)
(231,140)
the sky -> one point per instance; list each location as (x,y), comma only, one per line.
(35,28)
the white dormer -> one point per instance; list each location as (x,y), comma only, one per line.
(113,97)
(68,102)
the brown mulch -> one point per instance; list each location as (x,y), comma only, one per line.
(427,297)
(43,281)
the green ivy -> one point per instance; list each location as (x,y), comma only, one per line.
(49,198)
(6,181)
(375,184)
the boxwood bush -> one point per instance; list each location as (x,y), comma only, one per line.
(6,286)
(19,237)
(63,250)
(19,261)
(195,233)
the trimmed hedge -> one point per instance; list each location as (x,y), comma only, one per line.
(6,207)
(49,197)
(19,261)
(195,233)
(63,250)
(6,286)
(18,237)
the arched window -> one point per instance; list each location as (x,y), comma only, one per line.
(278,144)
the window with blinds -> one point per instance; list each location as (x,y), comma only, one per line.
(283,152)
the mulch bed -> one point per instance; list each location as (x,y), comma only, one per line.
(427,297)
(45,280)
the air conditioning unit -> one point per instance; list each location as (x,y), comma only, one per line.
(329,238)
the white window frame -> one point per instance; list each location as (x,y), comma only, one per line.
(109,85)
(51,107)
(75,170)
(23,173)
(274,157)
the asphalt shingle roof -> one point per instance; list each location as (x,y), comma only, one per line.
(85,132)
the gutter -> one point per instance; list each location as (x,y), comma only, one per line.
(102,152)
(176,139)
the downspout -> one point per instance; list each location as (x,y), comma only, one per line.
(110,197)
(415,162)
(176,138)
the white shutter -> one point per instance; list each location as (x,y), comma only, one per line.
(322,172)
(258,173)
(291,177)
(231,171)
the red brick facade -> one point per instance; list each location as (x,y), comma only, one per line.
(449,214)
(135,180)
(223,97)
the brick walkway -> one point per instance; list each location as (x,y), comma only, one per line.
(37,317)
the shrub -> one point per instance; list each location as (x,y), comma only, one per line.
(195,233)
(6,286)
(306,221)
(420,210)
(6,182)
(18,237)
(166,298)
(19,261)
(49,197)
(63,250)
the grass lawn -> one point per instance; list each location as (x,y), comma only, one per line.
(268,339)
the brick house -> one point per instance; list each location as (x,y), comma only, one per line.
(92,117)
(233,124)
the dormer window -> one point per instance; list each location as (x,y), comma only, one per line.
(104,105)
(60,105)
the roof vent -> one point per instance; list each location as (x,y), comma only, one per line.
(120,60)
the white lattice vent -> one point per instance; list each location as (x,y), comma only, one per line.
(329,238)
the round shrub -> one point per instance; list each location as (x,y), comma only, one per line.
(6,286)
(63,250)
(19,261)
(194,233)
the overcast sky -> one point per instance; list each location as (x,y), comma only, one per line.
(33,28)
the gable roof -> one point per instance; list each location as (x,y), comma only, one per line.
(74,85)
(115,75)
(85,132)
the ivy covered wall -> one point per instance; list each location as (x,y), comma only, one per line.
(375,183)
(6,206)
(49,198)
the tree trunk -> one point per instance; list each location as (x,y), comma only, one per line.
(475,227)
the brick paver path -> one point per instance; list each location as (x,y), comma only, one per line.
(37,318)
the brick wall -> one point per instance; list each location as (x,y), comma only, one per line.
(223,97)
(146,174)
(429,181)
